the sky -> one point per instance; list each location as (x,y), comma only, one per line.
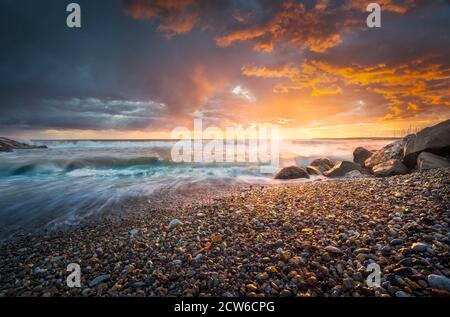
(141,68)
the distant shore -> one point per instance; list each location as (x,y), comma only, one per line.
(308,239)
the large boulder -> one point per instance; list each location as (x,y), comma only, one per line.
(435,140)
(426,161)
(342,168)
(360,155)
(390,168)
(323,164)
(313,170)
(292,172)
(8,145)
(391,151)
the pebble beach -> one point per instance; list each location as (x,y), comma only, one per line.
(304,239)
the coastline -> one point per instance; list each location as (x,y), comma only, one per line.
(302,239)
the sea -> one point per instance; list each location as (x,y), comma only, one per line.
(73,180)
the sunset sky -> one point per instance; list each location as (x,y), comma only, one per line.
(138,69)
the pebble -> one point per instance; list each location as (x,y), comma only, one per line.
(439,281)
(99,279)
(175,223)
(332,249)
(419,247)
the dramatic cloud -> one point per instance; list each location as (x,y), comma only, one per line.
(143,66)
(266,24)
(408,88)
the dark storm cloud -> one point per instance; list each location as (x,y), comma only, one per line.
(44,65)
(132,56)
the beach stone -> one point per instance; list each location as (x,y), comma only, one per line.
(332,249)
(133,232)
(397,241)
(353,174)
(390,168)
(426,161)
(434,140)
(323,164)
(347,284)
(342,168)
(217,238)
(439,281)
(401,294)
(175,223)
(360,155)
(419,247)
(361,250)
(386,250)
(292,172)
(99,279)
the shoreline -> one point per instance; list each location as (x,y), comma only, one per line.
(302,239)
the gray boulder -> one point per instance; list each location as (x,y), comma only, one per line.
(390,168)
(435,140)
(360,155)
(342,168)
(391,151)
(292,172)
(323,164)
(427,161)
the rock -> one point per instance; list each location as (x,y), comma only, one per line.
(8,145)
(391,151)
(347,284)
(360,155)
(390,168)
(175,223)
(353,174)
(439,281)
(323,164)
(427,161)
(313,170)
(251,287)
(177,262)
(292,172)
(419,247)
(342,168)
(434,140)
(401,294)
(99,279)
(332,249)
(217,238)
(397,241)
(133,232)
(361,250)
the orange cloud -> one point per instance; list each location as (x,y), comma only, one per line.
(176,16)
(408,88)
(288,22)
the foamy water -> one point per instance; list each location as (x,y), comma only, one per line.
(72,180)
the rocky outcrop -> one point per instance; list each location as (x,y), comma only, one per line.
(342,168)
(323,164)
(360,155)
(427,161)
(8,145)
(292,172)
(390,168)
(313,170)
(435,140)
(391,151)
